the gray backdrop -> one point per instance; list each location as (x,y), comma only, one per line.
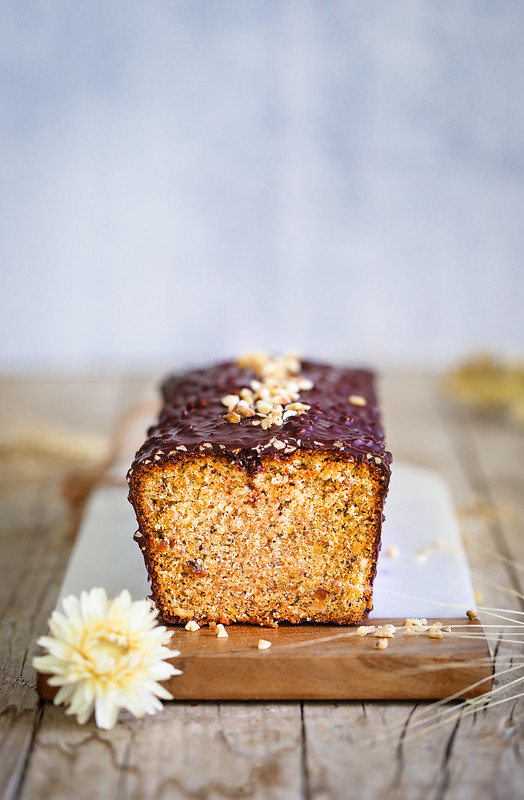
(187,179)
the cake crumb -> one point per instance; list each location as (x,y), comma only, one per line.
(380,644)
(221,631)
(393,551)
(439,544)
(472,614)
(416,621)
(192,625)
(263,644)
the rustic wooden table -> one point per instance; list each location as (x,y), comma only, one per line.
(273,749)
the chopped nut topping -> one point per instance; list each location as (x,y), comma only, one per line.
(233,418)
(243,409)
(230,400)
(255,360)
(192,625)
(263,407)
(300,408)
(381,644)
(263,644)
(305,384)
(221,632)
(472,614)
(279,445)
(357,400)
(273,396)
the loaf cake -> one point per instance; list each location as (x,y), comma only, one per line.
(259,493)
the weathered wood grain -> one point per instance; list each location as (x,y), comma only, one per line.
(204,750)
(497,450)
(35,540)
(35,549)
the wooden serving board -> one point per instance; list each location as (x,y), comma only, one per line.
(320,661)
(326,663)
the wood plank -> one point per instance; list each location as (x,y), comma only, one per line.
(408,752)
(35,550)
(497,451)
(36,537)
(326,662)
(82,402)
(204,750)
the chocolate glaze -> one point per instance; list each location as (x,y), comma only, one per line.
(192,419)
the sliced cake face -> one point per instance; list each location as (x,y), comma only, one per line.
(257,520)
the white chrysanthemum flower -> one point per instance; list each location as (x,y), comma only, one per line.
(106,655)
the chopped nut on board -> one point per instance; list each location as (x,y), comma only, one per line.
(363,630)
(385,632)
